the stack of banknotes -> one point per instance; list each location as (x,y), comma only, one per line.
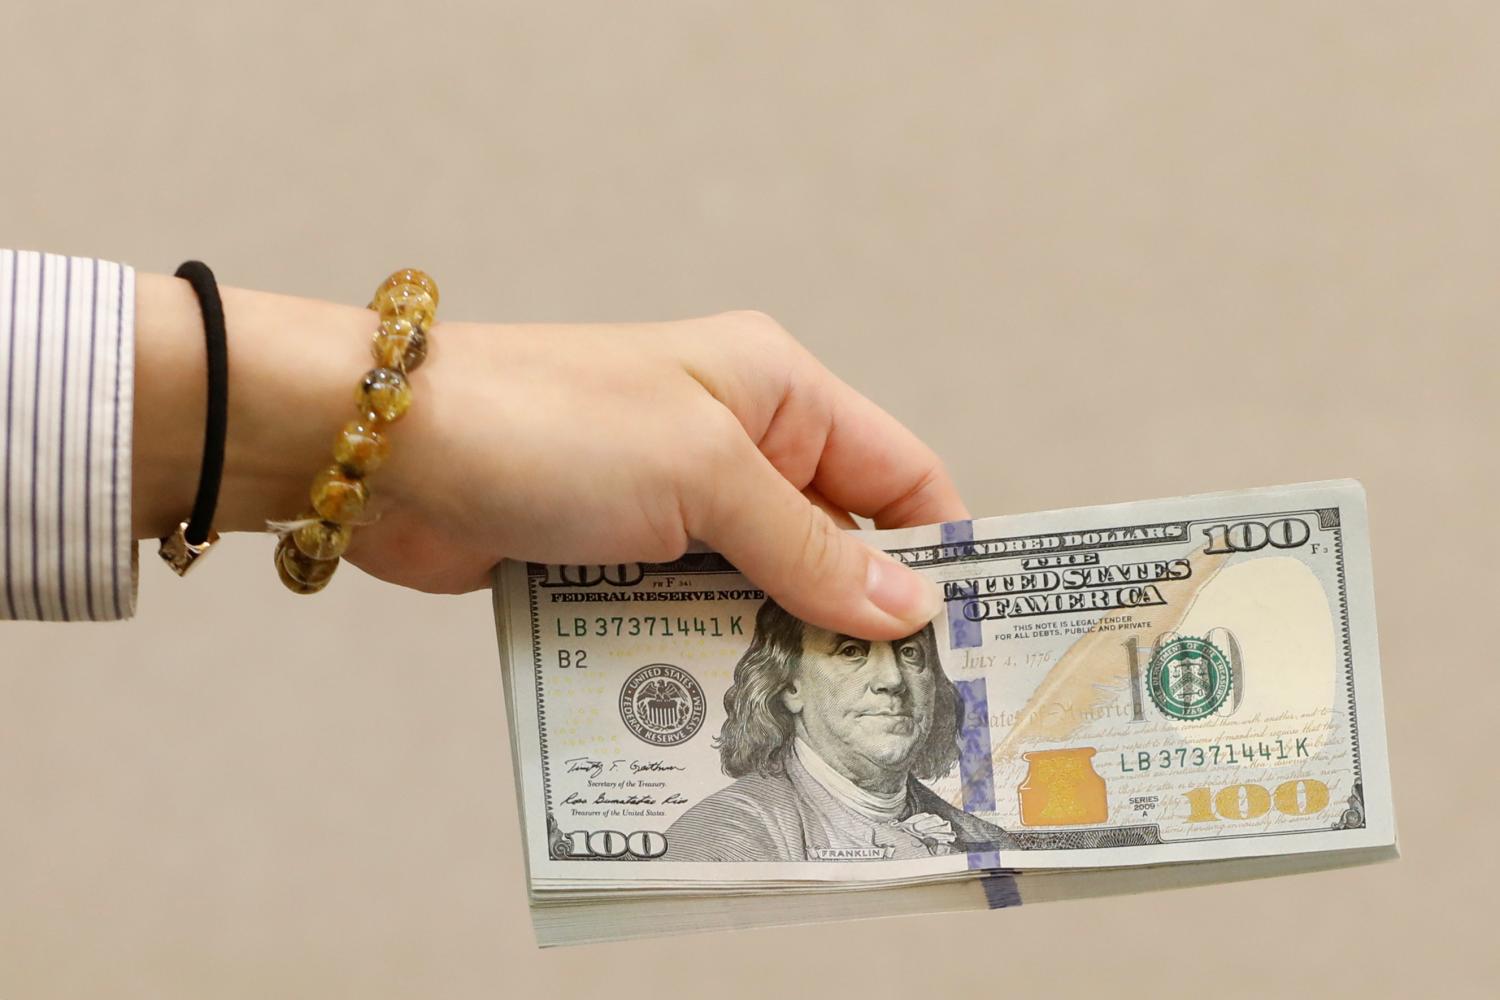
(1114,699)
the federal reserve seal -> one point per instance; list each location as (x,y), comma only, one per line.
(1189,678)
(662,705)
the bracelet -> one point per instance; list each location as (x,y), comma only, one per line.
(309,547)
(193,537)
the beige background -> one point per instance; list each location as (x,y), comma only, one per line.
(1092,252)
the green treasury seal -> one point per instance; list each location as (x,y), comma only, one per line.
(1189,678)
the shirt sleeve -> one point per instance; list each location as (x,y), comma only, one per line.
(67,387)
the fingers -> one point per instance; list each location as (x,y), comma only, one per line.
(790,547)
(817,430)
(874,466)
(839,516)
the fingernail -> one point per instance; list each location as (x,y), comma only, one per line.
(901,592)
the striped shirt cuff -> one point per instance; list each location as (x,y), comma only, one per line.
(67,386)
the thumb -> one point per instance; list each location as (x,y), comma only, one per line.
(804,561)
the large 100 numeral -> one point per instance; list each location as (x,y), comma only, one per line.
(619,574)
(1250,536)
(640,845)
(1298,797)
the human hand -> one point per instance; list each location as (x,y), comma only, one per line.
(622,442)
(584,444)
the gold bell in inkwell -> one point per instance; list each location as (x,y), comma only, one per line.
(1063,789)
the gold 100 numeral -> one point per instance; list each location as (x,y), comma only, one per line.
(1298,797)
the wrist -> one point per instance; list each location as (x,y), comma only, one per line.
(292,365)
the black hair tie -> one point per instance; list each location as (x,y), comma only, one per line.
(194,536)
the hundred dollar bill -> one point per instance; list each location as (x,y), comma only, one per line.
(1184,680)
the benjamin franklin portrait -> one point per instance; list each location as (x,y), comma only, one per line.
(829,739)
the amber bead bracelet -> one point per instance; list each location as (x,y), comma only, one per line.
(309,547)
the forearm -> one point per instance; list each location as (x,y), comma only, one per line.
(293,364)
